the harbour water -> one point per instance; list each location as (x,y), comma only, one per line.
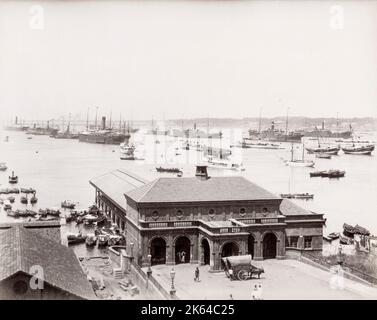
(61,169)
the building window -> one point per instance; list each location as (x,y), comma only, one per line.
(242,212)
(293,242)
(155,215)
(307,242)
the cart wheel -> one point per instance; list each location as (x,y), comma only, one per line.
(243,275)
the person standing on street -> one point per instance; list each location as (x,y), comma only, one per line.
(196,274)
(254,295)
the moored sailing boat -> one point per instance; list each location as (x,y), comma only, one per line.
(331,150)
(323,155)
(360,150)
(327,150)
(300,162)
(225,163)
(13,178)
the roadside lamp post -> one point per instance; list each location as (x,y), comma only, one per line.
(172,276)
(149,271)
(131,257)
(340,258)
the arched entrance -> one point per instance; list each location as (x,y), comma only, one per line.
(229,249)
(158,251)
(269,246)
(250,245)
(206,251)
(182,250)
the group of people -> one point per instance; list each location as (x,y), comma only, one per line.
(257,292)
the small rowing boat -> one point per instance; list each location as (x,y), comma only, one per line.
(68,204)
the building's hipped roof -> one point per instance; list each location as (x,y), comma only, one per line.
(289,208)
(356,229)
(115,183)
(197,190)
(20,249)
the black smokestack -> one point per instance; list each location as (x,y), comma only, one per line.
(103,123)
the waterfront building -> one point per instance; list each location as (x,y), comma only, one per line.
(202,219)
(33,250)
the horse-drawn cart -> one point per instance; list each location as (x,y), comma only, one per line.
(240,267)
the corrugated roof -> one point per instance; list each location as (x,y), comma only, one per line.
(20,249)
(115,183)
(194,190)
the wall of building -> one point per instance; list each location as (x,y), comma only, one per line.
(315,231)
(113,212)
(193,211)
(8,292)
(162,212)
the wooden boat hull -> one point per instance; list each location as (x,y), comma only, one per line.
(29,190)
(363,150)
(366,152)
(168,170)
(297,196)
(91,242)
(316,174)
(323,156)
(303,164)
(68,205)
(75,239)
(328,151)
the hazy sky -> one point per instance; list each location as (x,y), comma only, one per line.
(191,59)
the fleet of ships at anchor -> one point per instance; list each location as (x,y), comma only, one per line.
(271,138)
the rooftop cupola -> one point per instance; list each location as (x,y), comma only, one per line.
(201,172)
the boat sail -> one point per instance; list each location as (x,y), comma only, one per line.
(299,162)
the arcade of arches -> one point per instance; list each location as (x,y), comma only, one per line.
(194,220)
(193,248)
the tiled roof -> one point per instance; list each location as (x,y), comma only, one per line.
(20,249)
(194,190)
(288,208)
(115,183)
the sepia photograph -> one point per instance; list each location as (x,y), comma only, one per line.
(195,150)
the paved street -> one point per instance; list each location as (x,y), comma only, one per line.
(282,280)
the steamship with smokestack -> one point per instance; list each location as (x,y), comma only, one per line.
(105,135)
(16,126)
(326,133)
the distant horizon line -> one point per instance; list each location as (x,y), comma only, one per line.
(114,120)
